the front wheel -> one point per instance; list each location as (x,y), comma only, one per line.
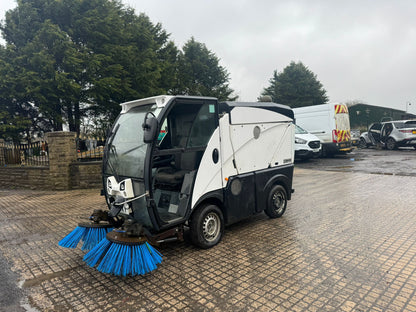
(207,226)
(362,143)
(277,202)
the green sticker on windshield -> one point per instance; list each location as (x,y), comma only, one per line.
(211,108)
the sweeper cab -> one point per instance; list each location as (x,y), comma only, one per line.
(182,162)
(175,161)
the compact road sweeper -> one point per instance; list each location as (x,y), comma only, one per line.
(176,162)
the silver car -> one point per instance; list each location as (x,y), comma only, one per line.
(391,134)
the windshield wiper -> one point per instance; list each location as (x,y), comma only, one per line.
(133,149)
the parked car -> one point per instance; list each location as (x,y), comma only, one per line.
(355,137)
(391,134)
(307,145)
(364,141)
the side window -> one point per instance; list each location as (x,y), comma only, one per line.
(203,126)
(375,127)
(163,132)
(163,139)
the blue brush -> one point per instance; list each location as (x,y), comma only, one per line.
(90,234)
(121,259)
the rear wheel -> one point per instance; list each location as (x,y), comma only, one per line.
(276,202)
(390,144)
(207,226)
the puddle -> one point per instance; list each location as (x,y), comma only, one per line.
(44,277)
(343,167)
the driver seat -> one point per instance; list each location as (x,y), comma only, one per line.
(173,175)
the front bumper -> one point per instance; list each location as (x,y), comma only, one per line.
(306,154)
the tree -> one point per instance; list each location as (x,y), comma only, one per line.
(71,59)
(199,73)
(16,116)
(296,86)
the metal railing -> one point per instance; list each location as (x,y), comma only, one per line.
(33,154)
(90,148)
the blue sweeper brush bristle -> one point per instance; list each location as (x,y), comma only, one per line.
(90,233)
(121,255)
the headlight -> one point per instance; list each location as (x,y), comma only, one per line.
(122,186)
(299,141)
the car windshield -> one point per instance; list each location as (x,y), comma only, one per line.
(125,148)
(407,124)
(299,130)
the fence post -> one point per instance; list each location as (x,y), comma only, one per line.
(2,156)
(62,152)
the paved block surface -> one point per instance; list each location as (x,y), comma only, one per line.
(345,243)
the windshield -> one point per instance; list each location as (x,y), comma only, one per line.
(299,130)
(126,149)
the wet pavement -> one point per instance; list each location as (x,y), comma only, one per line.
(369,160)
(345,243)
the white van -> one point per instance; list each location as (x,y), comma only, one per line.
(330,123)
(307,145)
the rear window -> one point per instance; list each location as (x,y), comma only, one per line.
(407,124)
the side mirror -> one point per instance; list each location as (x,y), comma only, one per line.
(150,126)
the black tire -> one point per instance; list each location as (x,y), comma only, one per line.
(276,202)
(207,226)
(322,153)
(390,144)
(362,143)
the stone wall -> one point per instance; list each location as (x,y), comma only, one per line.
(63,173)
(86,175)
(24,177)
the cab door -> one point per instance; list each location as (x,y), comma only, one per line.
(386,131)
(179,161)
(374,133)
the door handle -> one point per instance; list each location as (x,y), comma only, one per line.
(215,155)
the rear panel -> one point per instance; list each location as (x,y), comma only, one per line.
(342,131)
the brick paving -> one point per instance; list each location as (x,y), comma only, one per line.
(345,243)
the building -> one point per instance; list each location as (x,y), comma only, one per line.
(363,115)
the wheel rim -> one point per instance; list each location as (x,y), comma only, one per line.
(278,202)
(211,226)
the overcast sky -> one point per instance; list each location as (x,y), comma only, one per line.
(360,50)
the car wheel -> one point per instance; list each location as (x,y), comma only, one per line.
(390,144)
(207,226)
(276,202)
(362,143)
